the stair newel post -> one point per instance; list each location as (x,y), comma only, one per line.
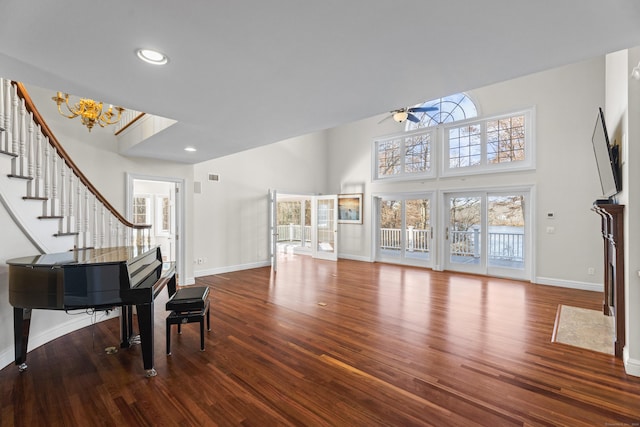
(78,210)
(30,156)
(54,183)
(14,128)
(6,100)
(111,229)
(63,196)
(3,135)
(85,243)
(102,227)
(118,231)
(47,176)
(94,233)
(38,159)
(22,140)
(70,202)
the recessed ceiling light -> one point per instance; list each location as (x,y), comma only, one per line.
(190,149)
(152,56)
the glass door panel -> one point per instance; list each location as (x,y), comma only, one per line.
(417,214)
(404,229)
(487,233)
(390,230)
(326,220)
(273,229)
(464,232)
(506,246)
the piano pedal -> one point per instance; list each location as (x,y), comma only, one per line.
(22,367)
(135,339)
(111,350)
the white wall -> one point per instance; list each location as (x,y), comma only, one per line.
(566,180)
(622,115)
(632,252)
(231,215)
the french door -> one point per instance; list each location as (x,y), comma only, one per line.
(488,233)
(324,227)
(273,229)
(405,229)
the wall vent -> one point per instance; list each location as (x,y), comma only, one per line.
(214,177)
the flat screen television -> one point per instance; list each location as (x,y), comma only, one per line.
(607,159)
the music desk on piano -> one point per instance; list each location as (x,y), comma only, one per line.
(89,279)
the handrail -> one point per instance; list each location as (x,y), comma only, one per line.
(46,131)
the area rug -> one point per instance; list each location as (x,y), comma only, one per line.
(584,328)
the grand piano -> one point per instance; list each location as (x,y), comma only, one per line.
(99,279)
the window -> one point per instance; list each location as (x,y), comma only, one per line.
(489,145)
(451,108)
(465,144)
(406,156)
(163,215)
(141,211)
(410,155)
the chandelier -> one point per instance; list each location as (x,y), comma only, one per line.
(90,111)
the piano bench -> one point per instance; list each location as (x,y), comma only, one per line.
(188,305)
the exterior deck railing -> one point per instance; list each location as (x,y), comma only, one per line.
(501,245)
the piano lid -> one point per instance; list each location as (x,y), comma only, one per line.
(113,255)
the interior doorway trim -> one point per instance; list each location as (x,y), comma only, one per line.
(180,206)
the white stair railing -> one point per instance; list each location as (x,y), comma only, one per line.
(53,178)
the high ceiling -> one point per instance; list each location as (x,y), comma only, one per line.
(252,72)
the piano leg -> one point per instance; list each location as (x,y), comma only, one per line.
(145,326)
(126,326)
(21,324)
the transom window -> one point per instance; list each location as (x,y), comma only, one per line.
(451,108)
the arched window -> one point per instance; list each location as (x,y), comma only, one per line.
(450,109)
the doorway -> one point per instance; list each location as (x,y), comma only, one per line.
(302,224)
(158,201)
(405,229)
(488,233)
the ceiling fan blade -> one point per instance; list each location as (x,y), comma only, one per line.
(412,118)
(422,109)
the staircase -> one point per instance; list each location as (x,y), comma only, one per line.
(46,194)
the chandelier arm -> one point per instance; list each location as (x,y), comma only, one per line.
(65,115)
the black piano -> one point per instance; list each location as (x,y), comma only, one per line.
(99,279)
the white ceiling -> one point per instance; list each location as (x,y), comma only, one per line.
(252,72)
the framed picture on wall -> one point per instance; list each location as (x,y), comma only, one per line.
(350,208)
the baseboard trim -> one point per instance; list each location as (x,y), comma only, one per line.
(355,257)
(631,366)
(595,287)
(229,269)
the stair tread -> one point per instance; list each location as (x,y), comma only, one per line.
(50,217)
(8,153)
(35,198)
(66,234)
(20,176)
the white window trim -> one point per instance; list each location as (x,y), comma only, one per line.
(484,168)
(431,173)
(440,150)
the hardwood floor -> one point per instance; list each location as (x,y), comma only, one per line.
(337,344)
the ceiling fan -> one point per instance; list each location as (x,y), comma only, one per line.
(402,114)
